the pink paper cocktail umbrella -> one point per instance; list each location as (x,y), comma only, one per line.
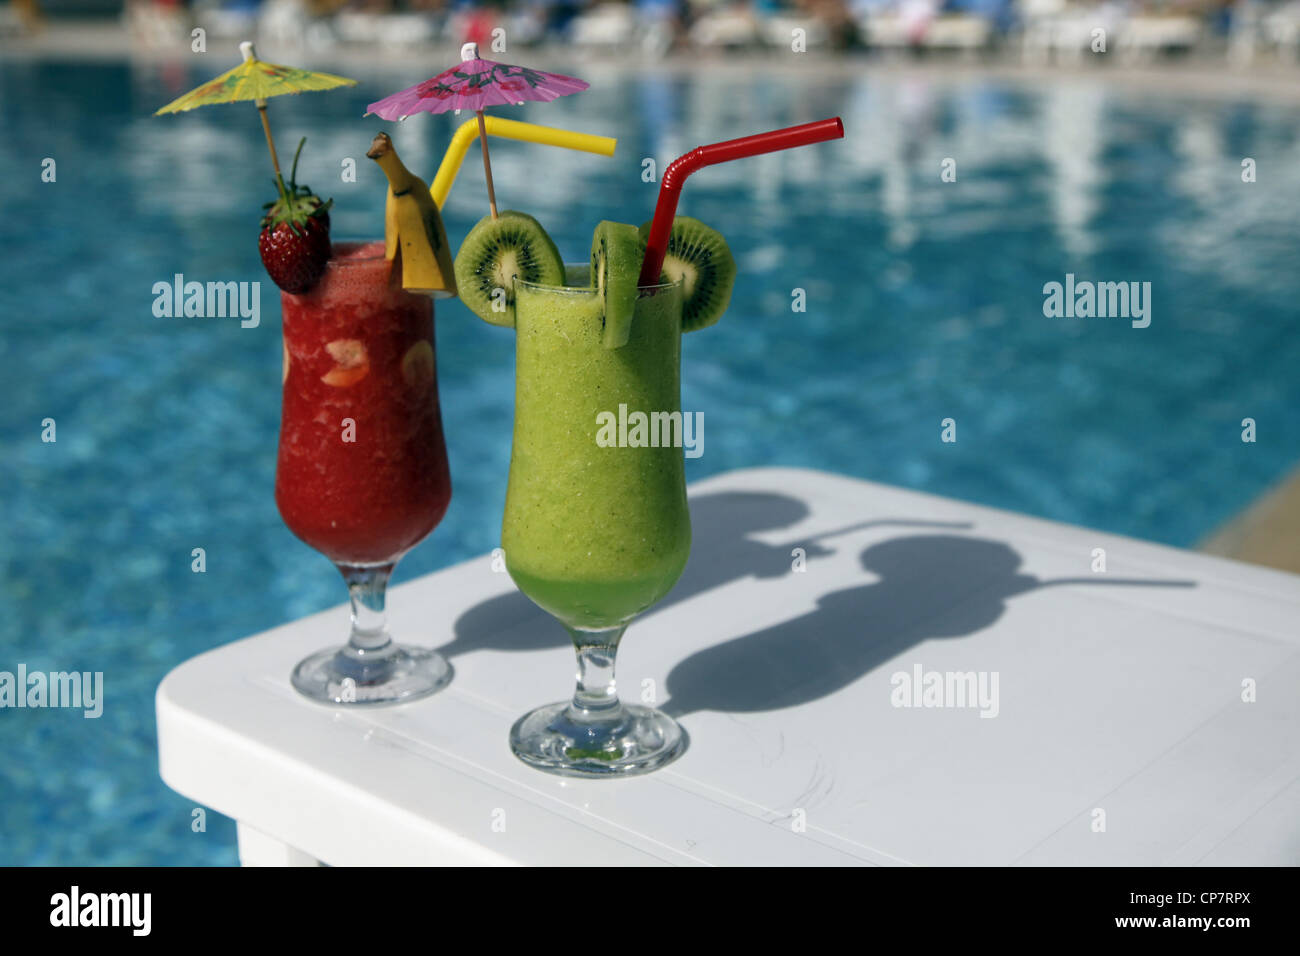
(472,85)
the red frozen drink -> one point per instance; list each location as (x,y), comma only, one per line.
(362,474)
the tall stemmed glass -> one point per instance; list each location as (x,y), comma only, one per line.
(362,472)
(594,533)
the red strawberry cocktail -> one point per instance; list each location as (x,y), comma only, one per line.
(362,473)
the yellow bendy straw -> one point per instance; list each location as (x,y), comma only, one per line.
(510,129)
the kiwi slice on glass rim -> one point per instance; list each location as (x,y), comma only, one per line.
(494,253)
(616,253)
(699,257)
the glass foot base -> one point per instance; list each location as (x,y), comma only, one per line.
(635,740)
(336,676)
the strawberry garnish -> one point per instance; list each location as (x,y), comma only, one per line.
(295,238)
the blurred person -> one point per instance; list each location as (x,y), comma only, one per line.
(1244,31)
(835,16)
(560,14)
(473,22)
(695,10)
(663,23)
(1219,17)
(1279,27)
(918,16)
(1002,14)
(156,23)
(526,22)
(482,19)
(283,23)
(322,8)
(226,19)
(30,17)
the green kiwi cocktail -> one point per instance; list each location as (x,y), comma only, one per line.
(592,534)
(596,527)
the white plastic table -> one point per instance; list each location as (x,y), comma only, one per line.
(1145,714)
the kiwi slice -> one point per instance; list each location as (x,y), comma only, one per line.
(699,257)
(497,250)
(616,254)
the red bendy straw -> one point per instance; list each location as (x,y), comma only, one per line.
(671,187)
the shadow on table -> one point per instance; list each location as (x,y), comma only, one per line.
(722,552)
(930,586)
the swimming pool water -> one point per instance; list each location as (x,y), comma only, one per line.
(923,302)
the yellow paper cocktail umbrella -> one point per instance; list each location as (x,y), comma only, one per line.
(256,80)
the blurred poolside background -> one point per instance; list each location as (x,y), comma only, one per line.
(924,300)
(1243,32)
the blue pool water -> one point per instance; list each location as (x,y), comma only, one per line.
(924,302)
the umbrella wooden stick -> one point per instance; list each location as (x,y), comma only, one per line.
(487,163)
(246,49)
(270,143)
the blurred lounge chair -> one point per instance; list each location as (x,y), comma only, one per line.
(387,30)
(1054,30)
(1143,38)
(650,27)
(225,20)
(964,32)
(956,32)
(282,24)
(1057,31)
(605,25)
(407,30)
(778,31)
(1244,32)
(525,26)
(730,27)
(1281,30)
(156,24)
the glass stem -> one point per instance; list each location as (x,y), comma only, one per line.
(367,586)
(596,696)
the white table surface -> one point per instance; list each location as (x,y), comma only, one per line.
(1118,692)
